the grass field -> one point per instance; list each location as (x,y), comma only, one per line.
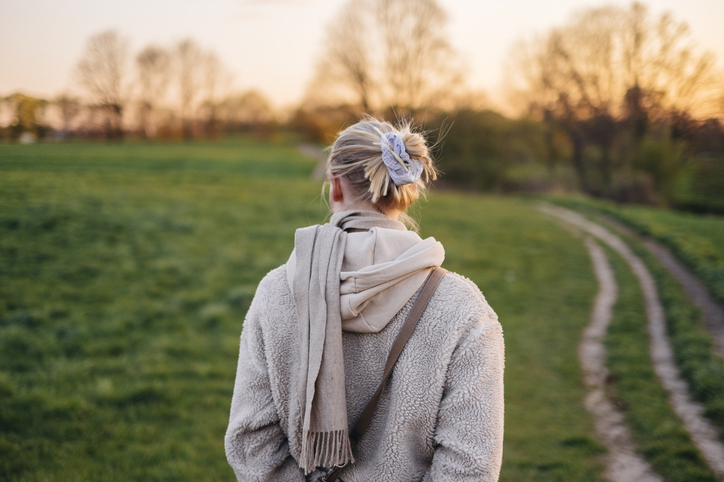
(126,270)
(124,282)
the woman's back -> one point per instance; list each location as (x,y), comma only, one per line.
(440,415)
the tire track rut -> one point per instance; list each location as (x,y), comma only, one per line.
(622,462)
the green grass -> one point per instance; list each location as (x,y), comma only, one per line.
(657,431)
(123,288)
(244,158)
(126,270)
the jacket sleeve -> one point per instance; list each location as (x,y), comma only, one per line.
(256,447)
(469,432)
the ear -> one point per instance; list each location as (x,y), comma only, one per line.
(336,190)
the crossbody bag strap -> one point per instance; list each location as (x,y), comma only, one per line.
(428,288)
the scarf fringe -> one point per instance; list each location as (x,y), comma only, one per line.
(325,449)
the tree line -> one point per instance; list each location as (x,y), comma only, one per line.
(629,92)
(179,91)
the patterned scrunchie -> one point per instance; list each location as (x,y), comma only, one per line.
(402,169)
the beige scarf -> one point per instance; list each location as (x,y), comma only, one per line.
(315,272)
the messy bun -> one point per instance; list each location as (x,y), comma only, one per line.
(357,156)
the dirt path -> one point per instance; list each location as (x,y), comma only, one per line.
(702,432)
(622,463)
(712,312)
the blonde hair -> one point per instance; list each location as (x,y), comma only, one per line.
(356,155)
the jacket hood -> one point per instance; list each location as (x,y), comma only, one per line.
(382,269)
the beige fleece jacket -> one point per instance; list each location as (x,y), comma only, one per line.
(440,417)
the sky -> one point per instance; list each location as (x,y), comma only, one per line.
(272,45)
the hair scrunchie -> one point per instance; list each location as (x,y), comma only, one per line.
(403,170)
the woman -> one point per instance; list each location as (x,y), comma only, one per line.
(317,336)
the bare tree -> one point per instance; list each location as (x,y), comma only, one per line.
(215,83)
(418,71)
(590,64)
(102,73)
(153,65)
(188,58)
(609,68)
(69,109)
(389,54)
(347,60)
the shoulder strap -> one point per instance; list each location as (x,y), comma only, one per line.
(428,288)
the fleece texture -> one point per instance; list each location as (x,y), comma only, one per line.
(440,417)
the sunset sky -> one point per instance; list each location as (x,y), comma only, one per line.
(272,45)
